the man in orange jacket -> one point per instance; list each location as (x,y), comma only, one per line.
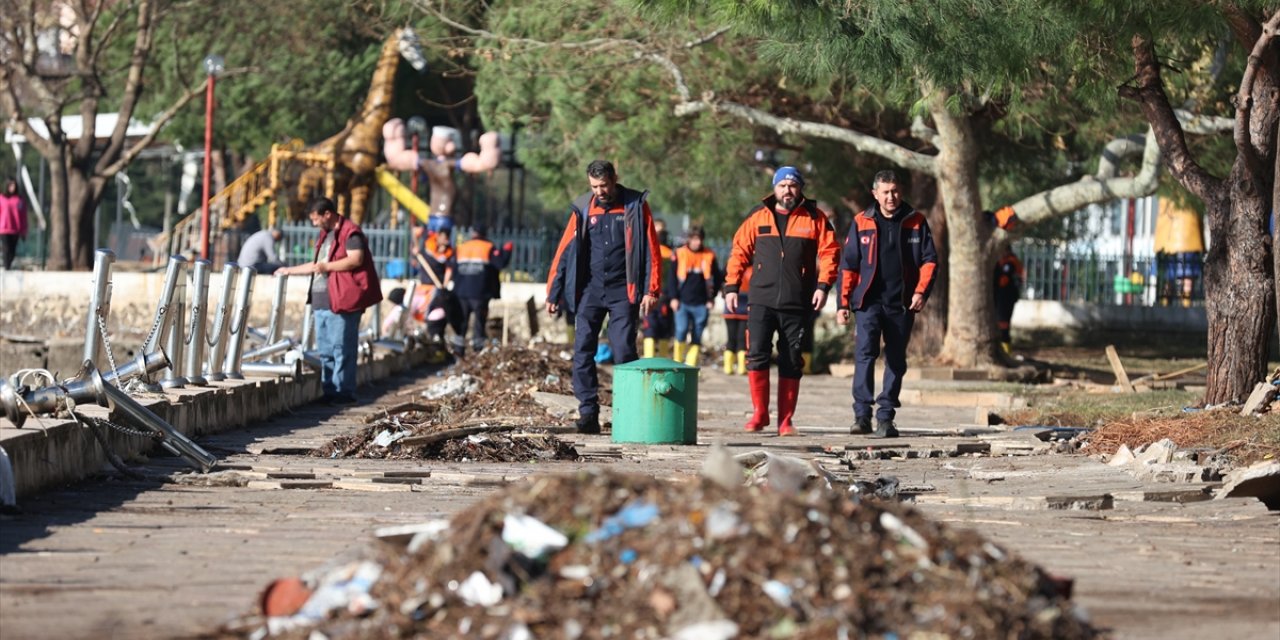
(791,247)
(887,274)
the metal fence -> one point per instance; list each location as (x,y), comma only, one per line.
(1088,277)
(532,249)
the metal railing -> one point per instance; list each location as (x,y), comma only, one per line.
(532,249)
(1055,273)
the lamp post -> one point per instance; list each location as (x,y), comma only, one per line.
(213,65)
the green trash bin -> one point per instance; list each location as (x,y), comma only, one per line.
(655,401)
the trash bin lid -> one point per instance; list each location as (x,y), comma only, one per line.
(654,364)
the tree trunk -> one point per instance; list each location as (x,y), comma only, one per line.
(970,338)
(82,206)
(1240,289)
(931,323)
(59,221)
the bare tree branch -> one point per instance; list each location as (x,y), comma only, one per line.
(895,153)
(133,86)
(1151,97)
(1094,189)
(1244,99)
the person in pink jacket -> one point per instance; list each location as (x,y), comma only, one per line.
(13,223)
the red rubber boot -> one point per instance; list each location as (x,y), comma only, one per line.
(788,393)
(759,383)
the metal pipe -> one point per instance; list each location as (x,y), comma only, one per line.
(218,344)
(99,303)
(277,309)
(394,346)
(239,325)
(174,342)
(309,358)
(144,364)
(256,336)
(262,353)
(308,328)
(199,297)
(273,369)
(171,275)
(177,443)
(375,322)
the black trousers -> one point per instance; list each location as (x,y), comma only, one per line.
(8,249)
(789,325)
(623,317)
(1005,302)
(737,334)
(479,309)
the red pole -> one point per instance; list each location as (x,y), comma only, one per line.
(208,163)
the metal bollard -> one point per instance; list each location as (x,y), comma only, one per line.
(278,369)
(239,325)
(198,294)
(308,328)
(17,403)
(174,342)
(277,309)
(99,303)
(218,343)
(171,275)
(375,322)
(268,351)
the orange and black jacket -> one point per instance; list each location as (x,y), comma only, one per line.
(1009,274)
(568,277)
(476,267)
(697,276)
(788,264)
(860,258)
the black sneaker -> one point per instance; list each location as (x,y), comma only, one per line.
(886,429)
(588,424)
(861,425)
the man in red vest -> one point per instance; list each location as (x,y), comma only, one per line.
(344,283)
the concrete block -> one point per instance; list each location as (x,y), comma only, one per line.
(1261,481)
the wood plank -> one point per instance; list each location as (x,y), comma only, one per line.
(1122,378)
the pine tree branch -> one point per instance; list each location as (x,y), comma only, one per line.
(1150,94)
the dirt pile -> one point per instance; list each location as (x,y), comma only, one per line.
(601,554)
(478,410)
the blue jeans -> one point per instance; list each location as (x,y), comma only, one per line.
(337,340)
(893,325)
(695,314)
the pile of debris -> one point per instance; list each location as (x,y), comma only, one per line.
(481,411)
(604,554)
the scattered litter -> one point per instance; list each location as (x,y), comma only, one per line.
(529,537)
(884,488)
(386,437)
(700,560)
(452,386)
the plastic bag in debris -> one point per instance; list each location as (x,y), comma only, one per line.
(477,589)
(884,488)
(387,437)
(529,537)
(636,513)
(452,386)
(784,474)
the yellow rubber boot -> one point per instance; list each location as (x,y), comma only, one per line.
(678,352)
(649,347)
(728,363)
(808,363)
(742,363)
(691,356)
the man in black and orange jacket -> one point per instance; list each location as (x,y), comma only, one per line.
(477,266)
(791,247)
(607,263)
(887,273)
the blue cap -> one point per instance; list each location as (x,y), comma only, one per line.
(788,173)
